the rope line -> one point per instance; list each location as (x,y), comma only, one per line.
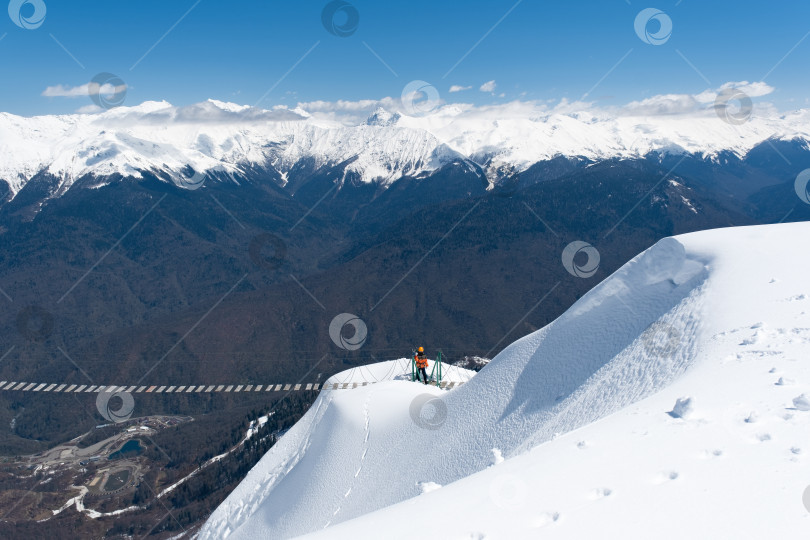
(363,375)
(56,388)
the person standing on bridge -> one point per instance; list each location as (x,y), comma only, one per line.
(421,364)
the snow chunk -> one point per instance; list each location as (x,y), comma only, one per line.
(427,487)
(684,408)
(802,403)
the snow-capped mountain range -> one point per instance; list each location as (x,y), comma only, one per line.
(381,147)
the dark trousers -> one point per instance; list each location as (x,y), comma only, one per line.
(424,374)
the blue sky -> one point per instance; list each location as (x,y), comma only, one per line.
(540,50)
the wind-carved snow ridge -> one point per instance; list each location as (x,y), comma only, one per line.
(630,337)
(624,340)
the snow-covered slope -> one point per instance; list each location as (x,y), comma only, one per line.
(318,432)
(586,413)
(719,453)
(385,146)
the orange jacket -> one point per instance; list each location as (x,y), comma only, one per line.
(421,361)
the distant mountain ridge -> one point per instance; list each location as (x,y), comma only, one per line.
(237,143)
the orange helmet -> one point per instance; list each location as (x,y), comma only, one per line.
(421,349)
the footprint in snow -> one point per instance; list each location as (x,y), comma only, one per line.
(664,477)
(600,493)
(764,437)
(545,519)
(709,454)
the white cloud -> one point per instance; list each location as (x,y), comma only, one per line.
(458,88)
(459,113)
(348,112)
(83,90)
(212,111)
(66,91)
(671,104)
(664,105)
(90,109)
(488,86)
(207,113)
(752,90)
(356,112)
(343,106)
